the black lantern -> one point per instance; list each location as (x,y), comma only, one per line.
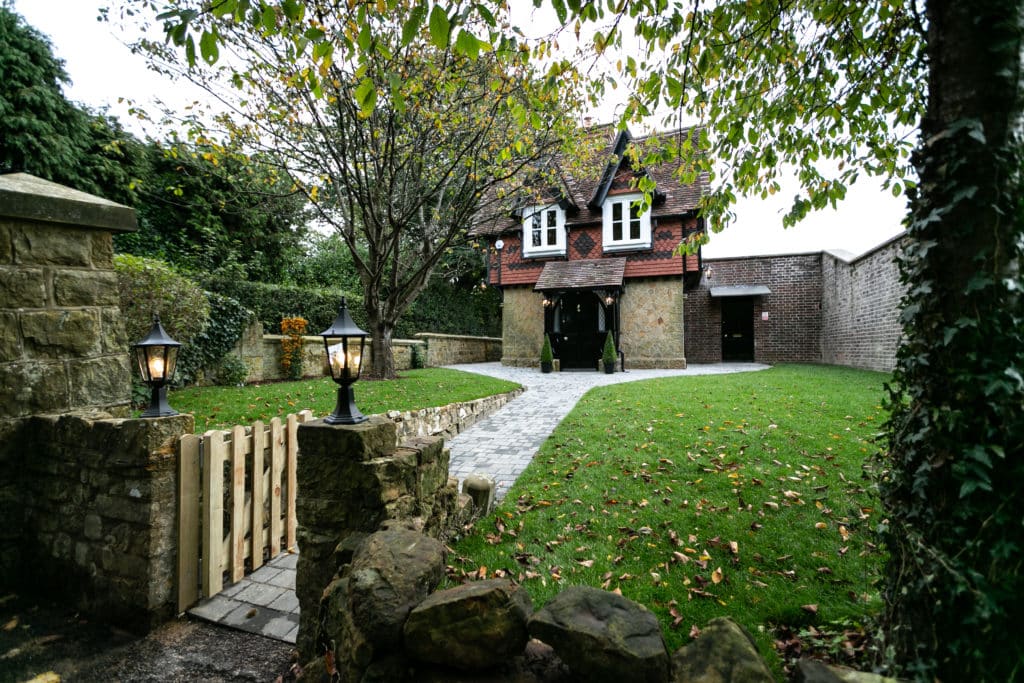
(344,343)
(157,355)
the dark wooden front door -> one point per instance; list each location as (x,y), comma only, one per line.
(737,329)
(579,341)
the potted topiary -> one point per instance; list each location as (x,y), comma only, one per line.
(546,357)
(609,354)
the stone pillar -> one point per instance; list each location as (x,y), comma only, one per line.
(351,479)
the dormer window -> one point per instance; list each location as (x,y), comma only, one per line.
(544,231)
(625,228)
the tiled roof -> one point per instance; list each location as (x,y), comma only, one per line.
(581,177)
(582,274)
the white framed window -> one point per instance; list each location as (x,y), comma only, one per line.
(544,231)
(624,226)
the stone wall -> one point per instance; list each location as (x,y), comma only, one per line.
(447,421)
(353,479)
(651,319)
(451,349)
(261,353)
(522,327)
(87,499)
(860,308)
(96,513)
(62,342)
(792,331)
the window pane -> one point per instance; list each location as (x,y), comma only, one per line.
(634,229)
(552,237)
(552,218)
(616,211)
(536,230)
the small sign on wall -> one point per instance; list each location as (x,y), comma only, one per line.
(764,315)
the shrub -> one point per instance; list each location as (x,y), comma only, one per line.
(273,303)
(231,371)
(210,347)
(147,286)
(546,356)
(291,346)
(609,349)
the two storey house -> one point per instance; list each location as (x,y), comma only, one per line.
(585,258)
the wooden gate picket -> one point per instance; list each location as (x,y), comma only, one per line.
(231,511)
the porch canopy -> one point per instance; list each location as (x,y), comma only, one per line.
(739,290)
(605,273)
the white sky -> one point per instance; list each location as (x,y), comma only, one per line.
(103,70)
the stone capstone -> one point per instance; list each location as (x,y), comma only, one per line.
(602,636)
(474,626)
(392,572)
(724,653)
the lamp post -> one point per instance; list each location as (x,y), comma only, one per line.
(157,356)
(344,344)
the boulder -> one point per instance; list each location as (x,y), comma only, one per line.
(724,653)
(392,572)
(812,671)
(474,626)
(602,636)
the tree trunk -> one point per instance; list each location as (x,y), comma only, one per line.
(956,435)
(380,344)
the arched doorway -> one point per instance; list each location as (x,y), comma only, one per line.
(577,324)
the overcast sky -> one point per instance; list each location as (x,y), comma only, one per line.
(103,70)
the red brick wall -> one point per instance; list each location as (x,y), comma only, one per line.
(792,332)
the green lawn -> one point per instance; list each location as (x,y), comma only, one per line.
(224,407)
(734,495)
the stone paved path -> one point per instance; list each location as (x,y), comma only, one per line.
(500,447)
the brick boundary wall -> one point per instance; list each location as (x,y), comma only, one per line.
(861,307)
(792,332)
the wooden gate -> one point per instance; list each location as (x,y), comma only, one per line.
(236,503)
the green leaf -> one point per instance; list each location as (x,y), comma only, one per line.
(413,24)
(467,44)
(365,39)
(560,11)
(366,95)
(208,47)
(440,27)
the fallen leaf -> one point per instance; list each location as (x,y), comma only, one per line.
(694,631)
(734,547)
(813,609)
(821,525)
(585,563)
(844,532)
(716,576)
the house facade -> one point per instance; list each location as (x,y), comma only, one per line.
(586,260)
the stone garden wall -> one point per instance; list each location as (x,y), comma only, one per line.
(87,498)
(453,349)
(261,353)
(96,513)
